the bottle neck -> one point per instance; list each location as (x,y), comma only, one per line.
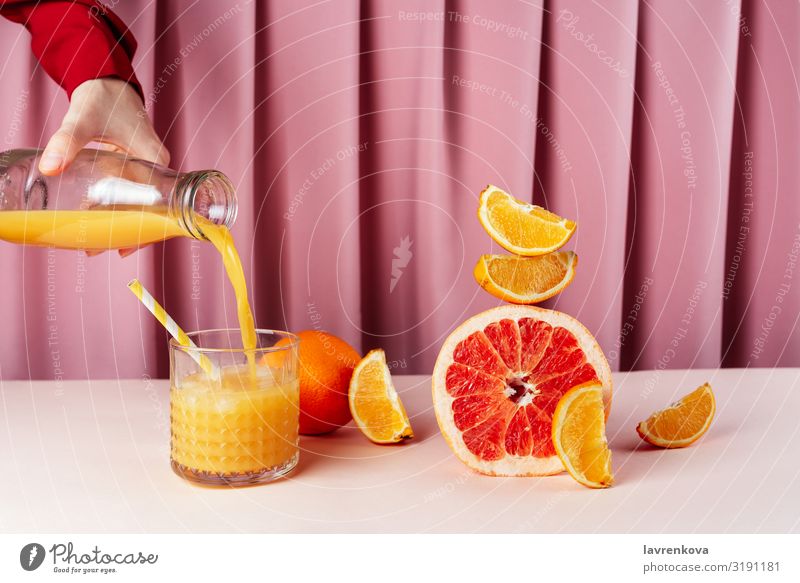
(204,195)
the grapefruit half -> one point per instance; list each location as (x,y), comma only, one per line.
(498,379)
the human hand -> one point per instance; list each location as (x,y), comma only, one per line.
(108,111)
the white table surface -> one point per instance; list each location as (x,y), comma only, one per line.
(93,457)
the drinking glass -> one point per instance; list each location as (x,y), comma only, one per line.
(234,414)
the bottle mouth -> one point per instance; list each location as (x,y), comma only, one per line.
(207,195)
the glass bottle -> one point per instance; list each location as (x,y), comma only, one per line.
(107,200)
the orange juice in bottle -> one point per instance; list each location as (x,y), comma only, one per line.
(105,200)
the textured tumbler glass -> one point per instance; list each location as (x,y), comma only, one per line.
(238,423)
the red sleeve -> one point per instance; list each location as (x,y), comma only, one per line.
(76,41)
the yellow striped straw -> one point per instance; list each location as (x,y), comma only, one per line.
(172,327)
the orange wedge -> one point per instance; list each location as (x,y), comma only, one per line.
(374,403)
(525,280)
(519,227)
(579,435)
(683,422)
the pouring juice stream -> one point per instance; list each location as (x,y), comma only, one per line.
(95,230)
(106,200)
(222,240)
(240,425)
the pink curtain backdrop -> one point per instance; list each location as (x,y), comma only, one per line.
(360,134)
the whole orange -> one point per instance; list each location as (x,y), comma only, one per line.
(326,365)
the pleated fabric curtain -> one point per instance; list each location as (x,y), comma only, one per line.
(359,135)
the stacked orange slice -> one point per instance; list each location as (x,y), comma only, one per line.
(535,271)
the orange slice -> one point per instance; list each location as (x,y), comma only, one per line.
(526,280)
(374,403)
(519,227)
(498,379)
(579,435)
(683,422)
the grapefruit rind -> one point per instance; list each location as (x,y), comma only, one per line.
(509,465)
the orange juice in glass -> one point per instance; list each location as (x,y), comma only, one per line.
(237,424)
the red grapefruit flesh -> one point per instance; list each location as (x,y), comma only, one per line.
(498,379)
